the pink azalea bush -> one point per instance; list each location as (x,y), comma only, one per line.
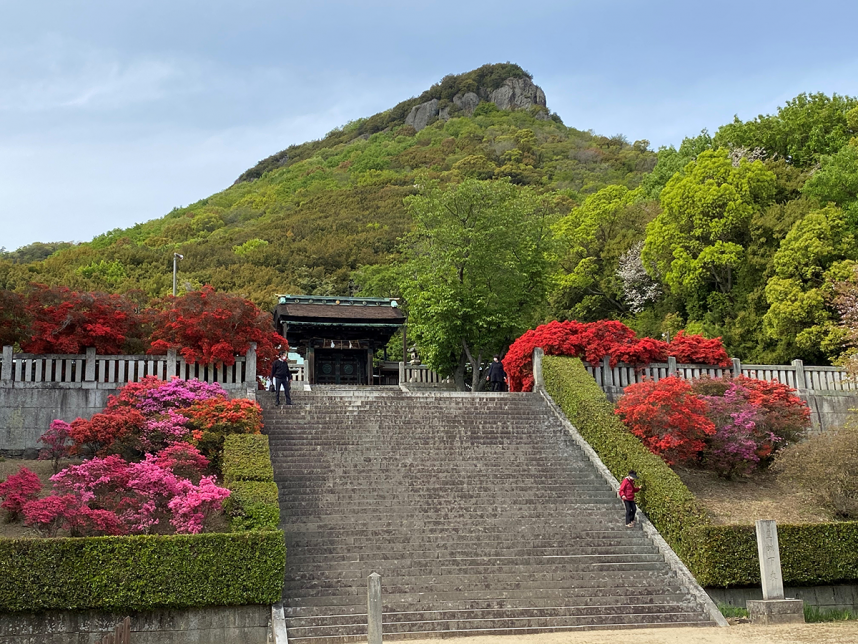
(148,473)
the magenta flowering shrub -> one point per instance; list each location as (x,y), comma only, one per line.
(17,490)
(193,504)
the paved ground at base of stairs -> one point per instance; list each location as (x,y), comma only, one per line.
(827,633)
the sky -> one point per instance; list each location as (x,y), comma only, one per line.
(113,113)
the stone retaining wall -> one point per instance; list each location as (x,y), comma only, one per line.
(836,597)
(217,625)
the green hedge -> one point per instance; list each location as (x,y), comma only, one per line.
(246,457)
(253,505)
(142,572)
(665,499)
(719,556)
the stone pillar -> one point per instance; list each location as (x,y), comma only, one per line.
(401,373)
(6,374)
(671,366)
(373,608)
(250,366)
(538,380)
(89,371)
(770,560)
(607,373)
(774,608)
(171,364)
(800,382)
(737,367)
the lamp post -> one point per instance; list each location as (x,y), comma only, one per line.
(176,257)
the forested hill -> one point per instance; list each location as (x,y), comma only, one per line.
(304,219)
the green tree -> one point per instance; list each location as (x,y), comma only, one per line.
(698,241)
(671,161)
(837,181)
(806,128)
(590,241)
(816,253)
(475,271)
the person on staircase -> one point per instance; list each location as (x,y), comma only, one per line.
(627,494)
(497,376)
(282,377)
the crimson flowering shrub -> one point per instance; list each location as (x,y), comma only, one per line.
(731,426)
(17,490)
(58,444)
(668,417)
(592,341)
(67,512)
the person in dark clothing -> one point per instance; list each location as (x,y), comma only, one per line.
(497,376)
(627,494)
(282,377)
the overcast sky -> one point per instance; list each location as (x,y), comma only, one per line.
(112,113)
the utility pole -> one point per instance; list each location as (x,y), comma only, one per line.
(176,257)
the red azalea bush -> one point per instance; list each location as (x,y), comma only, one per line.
(592,341)
(17,490)
(58,443)
(210,327)
(66,321)
(731,426)
(668,417)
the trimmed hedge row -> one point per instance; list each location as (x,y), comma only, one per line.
(719,556)
(247,471)
(665,499)
(142,572)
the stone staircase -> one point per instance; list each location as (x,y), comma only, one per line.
(480,513)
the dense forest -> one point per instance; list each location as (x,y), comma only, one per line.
(745,234)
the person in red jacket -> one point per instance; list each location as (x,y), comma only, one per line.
(627,494)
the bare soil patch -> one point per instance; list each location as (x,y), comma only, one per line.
(761,496)
(829,633)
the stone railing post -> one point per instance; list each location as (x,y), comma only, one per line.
(89,371)
(171,364)
(538,379)
(800,382)
(6,374)
(373,608)
(401,373)
(737,367)
(607,373)
(671,366)
(250,367)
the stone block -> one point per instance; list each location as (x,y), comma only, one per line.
(776,611)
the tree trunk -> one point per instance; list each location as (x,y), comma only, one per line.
(476,382)
(459,374)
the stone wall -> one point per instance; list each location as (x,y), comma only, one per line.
(836,597)
(214,625)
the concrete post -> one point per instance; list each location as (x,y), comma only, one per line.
(250,367)
(89,371)
(6,374)
(607,373)
(401,373)
(373,608)
(737,367)
(538,380)
(171,364)
(770,560)
(800,382)
(671,366)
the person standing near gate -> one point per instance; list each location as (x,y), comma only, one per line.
(497,376)
(627,494)
(282,377)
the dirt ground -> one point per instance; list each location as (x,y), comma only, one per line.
(829,633)
(763,496)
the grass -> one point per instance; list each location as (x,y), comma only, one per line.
(728,610)
(814,614)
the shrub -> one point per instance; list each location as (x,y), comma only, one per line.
(183,460)
(17,490)
(827,466)
(665,499)
(67,512)
(247,458)
(593,341)
(668,417)
(58,444)
(140,573)
(214,419)
(253,506)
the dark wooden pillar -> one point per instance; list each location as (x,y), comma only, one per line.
(311,365)
(369,353)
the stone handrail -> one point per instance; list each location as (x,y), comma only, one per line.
(419,374)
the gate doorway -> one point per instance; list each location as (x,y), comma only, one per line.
(340,367)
